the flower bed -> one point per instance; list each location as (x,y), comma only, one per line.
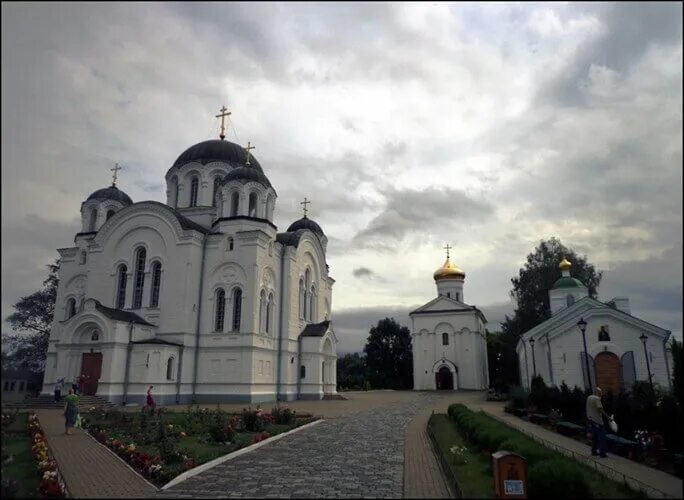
(51,483)
(160,445)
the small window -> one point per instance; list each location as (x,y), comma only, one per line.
(253,205)
(95,336)
(110,214)
(21,386)
(121,291)
(302,371)
(237,309)
(169,368)
(156,282)
(12,386)
(458,297)
(141,255)
(83,257)
(569,300)
(449,294)
(194,187)
(220,310)
(234,204)
(231,244)
(93,220)
(217,181)
(445,339)
(71,308)
(147,361)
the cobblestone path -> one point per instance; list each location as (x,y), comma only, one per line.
(360,455)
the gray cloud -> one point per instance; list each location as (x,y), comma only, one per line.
(362,272)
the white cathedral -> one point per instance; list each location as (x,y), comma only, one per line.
(449,338)
(200,297)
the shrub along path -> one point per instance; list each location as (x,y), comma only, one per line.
(669,486)
(89,469)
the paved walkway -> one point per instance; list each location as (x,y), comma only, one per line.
(614,466)
(89,469)
(359,455)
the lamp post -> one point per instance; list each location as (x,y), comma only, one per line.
(583,326)
(643,339)
(534,364)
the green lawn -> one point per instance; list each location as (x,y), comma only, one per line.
(22,468)
(475,476)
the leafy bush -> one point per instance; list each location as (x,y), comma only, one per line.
(540,395)
(531,451)
(283,415)
(519,397)
(253,420)
(557,478)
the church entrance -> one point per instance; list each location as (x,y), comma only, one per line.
(91,369)
(444,379)
(608,372)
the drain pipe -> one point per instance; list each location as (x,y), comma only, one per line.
(129,348)
(281,322)
(197,322)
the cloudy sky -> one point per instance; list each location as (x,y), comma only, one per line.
(486,126)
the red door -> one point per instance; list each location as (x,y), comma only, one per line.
(91,369)
(608,372)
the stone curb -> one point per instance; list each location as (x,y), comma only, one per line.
(217,461)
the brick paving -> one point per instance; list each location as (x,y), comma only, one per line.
(89,469)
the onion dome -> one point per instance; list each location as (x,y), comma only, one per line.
(246,174)
(449,271)
(306,223)
(565,265)
(111,193)
(217,150)
(567,282)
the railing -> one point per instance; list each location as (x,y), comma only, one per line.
(604,469)
(444,464)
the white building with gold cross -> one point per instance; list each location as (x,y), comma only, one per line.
(201,297)
(448,337)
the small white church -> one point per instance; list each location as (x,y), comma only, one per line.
(448,337)
(620,348)
(201,297)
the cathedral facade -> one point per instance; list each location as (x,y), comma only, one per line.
(448,338)
(200,297)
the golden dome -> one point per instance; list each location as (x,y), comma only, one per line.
(449,270)
(565,265)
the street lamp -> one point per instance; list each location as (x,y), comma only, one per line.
(534,364)
(643,339)
(583,326)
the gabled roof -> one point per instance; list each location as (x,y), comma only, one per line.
(450,305)
(315,329)
(120,314)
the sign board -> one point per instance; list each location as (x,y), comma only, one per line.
(510,475)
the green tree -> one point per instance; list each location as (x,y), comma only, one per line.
(502,360)
(32,320)
(531,286)
(389,359)
(351,371)
(677,371)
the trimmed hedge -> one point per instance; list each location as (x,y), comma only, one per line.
(551,474)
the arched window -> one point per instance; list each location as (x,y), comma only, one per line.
(174,192)
(302,371)
(234,204)
(252,204)
(237,309)
(569,300)
(140,257)
(83,257)
(156,282)
(301,299)
(121,287)
(220,309)
(458,296)
(194,187)
(445,338)
(307,280)
(269,312)
(262,311)
(231,243)
(95,336)
(110,213)
(217,180)
(312,304)
(169,368)
(93,219)
(70,308)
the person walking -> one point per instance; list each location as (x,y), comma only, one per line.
(595,414)
(70,412)
(150,400)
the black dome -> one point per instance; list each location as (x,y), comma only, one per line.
(111,193)
(247,174)
(305,223)
(216,150)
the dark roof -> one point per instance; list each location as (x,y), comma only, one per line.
(247,174)
(290,238)
(155,340)
(120,315)
(567,282)
(111,193)
(305,223)
(217,150)
(315,329)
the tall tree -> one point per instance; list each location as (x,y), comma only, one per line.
(351,371)
(33,319)
(678,370)
(502,360)
(389,359)
(531,286)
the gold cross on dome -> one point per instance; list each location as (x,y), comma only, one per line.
(116,171)
(447,249)
(248,148)
(223,116)
(305,203)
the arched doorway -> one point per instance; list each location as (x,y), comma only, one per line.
(608,372)
(444,379)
